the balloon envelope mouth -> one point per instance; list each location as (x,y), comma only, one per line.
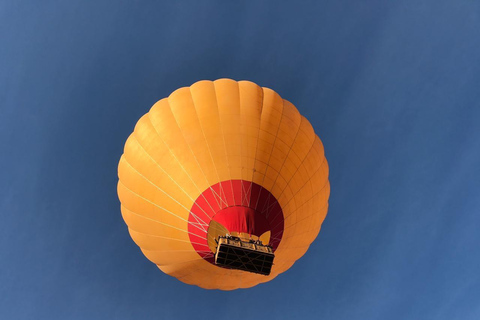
(242,219)
(238,207)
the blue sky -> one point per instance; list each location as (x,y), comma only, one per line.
(391,88)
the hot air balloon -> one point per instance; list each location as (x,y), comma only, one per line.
(223,184)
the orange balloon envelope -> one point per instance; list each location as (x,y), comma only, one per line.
(223,160)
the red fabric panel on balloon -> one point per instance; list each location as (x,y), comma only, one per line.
(242,219)
(240,206)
